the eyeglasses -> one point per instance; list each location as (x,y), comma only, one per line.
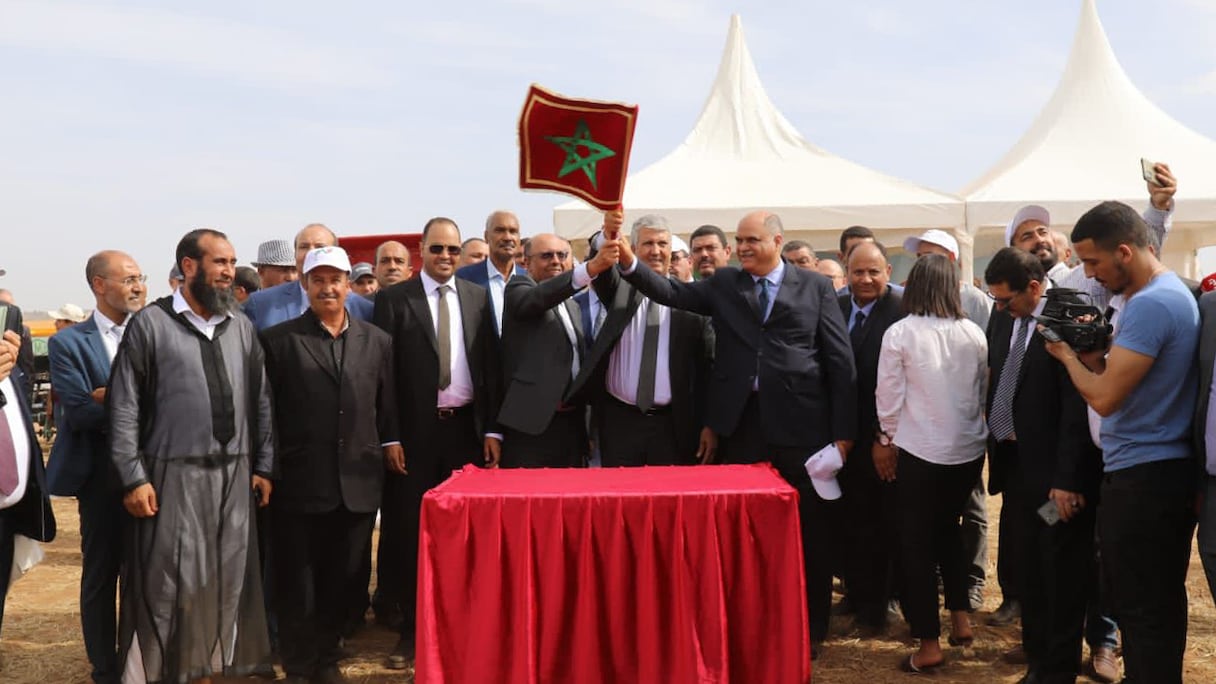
(129,281)
(549,256)
(1003,301)
(453,250)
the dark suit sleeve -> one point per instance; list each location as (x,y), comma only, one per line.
(492,370)
(697,297)
(71,383)
(836,357)
(605,285)
(387,423)
(263,441)
(383,314)
(526,299)
(128,378)
(1078,461)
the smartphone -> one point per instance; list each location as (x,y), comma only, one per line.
(1148,172)
(1049,512)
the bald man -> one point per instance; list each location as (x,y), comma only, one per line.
(393,263)
(832,270)
(285,301)
(495,272)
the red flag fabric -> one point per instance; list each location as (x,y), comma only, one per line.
(578,147)
(1209,283)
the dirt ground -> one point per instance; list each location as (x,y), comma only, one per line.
(42,644)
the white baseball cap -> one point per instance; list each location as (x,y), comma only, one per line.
(334,257)
(69,312)
(1030,212)
(822,467)
(934,237)
(677,245)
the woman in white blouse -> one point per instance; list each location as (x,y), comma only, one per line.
(932,378)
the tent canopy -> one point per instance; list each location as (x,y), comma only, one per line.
(742,154)
(1085,147)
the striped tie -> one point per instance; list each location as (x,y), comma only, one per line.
(1000,415)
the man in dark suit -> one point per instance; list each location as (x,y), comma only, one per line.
(25,508)
(644,369)
(336,423)
(1205,439)
(79,466)
(285,301)
(1040,453)
(502,235)
(869,307)
(445,366)
(783,385)
(542,350)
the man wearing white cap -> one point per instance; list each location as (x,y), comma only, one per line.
(681,260)
(67,315)
(1030,229)
(333,409)
(275,264)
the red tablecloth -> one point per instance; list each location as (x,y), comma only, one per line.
(622,575)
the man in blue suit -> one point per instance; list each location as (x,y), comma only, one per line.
(79,465)
(502,235)
(286,301)
(25,508)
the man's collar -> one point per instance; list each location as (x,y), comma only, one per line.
(103,322)
(321,325)
(494,272)
(429,284)
(182,307)
(774,276)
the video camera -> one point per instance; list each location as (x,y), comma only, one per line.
(1076,321)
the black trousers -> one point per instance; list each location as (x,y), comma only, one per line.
(930,499)
(439,446)
(7,530)
(562,445)
(1057,585)
(102,521)
(629,437)
(1145,523)
(316,559)
(867,537)
(818,516)
(1012,535)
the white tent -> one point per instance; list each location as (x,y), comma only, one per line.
(1085,147)
(742,154)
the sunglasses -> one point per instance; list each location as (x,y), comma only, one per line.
(453,250)
(549,256)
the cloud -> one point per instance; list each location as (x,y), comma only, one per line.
(197,43)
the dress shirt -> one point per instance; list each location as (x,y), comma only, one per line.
(865,311)
(625,362)
(563,314)
(11,413)
(932,379)
(459,391)
(497,285)
(111,332)
(204,325)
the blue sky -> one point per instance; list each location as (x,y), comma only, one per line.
(124,124)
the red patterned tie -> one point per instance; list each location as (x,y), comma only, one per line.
(8,457)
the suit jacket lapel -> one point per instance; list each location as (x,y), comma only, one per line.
(96,346)
(469,319)
(747,287)
(311,339)
(415,298)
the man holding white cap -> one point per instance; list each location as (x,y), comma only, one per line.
(1030,229)
(334,407)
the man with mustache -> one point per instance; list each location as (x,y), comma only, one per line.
(502,235)
(191,441)
(709,250)
(80,358)
(393,263)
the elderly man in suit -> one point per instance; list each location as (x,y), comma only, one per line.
(643,372)
(333,409)
(1039,451)
(79,465)
(285,301)
(502,235)
(869,307)
(543,347)
(25,507)
(445,365)
(784,385)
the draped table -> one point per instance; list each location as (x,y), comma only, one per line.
(638,575)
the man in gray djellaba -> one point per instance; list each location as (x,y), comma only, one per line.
(190,426)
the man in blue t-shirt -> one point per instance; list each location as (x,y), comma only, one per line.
(1145,390)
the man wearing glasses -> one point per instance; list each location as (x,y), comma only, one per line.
(80,357)
(543,343)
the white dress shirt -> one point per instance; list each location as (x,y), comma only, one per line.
(497,285)
(111,332)
(932,381)
(204,325)
(11,414)
(1038,311)
(459,391)
(625,362)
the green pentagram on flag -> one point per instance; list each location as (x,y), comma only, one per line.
(574,161)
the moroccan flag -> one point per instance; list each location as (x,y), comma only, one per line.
(579,147)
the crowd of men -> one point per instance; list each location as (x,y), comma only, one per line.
(230,445)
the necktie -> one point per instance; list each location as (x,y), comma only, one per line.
(855,333)
(763,298)
(1000,417)
(650,357)
(444,338)
(8,457)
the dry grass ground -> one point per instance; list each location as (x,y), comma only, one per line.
(42,645)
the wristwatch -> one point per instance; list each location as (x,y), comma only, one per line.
(883,439)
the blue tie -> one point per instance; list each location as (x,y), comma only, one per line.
(763,297)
